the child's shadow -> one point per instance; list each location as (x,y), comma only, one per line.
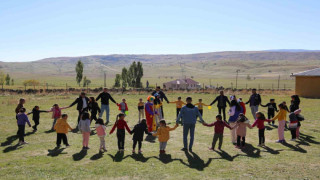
(271,151)
(55,152)
(92,133)
(226,156)
(307,138)
(195,162)
(9,140)
(97,156)
(49,131)
(294,148)
(251,151)
(118,157)
(150,138)
(138,157)
(80,155)
(12,148)
(268,128)
(166,158)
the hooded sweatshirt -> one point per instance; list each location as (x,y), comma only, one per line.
(189,114)
(62,126)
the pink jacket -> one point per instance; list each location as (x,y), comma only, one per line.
(56,112)
(242,128)
(101,130)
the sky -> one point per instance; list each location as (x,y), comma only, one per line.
(35,29)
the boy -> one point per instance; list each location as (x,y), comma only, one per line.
(36,117)
(123,106)
(272,107)
(140,109)
(218,131)
(200,106)
(179,104)
(22,119)
(164,135)
(138,133)
(61,128)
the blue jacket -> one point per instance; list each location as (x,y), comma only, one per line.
(22,119)
(189,114)
(235,116)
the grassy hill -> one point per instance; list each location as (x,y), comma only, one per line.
(220,67)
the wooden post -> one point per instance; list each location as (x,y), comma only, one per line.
(279,82)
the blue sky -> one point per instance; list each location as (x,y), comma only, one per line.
(33,29)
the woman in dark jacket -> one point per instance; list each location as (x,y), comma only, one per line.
(94,108)
(138,133)
(295,102)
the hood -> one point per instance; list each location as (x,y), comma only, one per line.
(190,106)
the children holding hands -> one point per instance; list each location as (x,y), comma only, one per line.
(84,127)
(121,125)
(138,133)
(259,122)
(163,134)
(101,132)
(62,127)
(242,124)
(179,105)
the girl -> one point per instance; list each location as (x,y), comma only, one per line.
(138,132)
(295,102)
(20,105)
(120,124)
(163,135)
(281,116)
(241,131)
(36,117)
(123,107)
(140,109)
(259,122)
(61,128)
(294,123)
(22,119)
(101,132)
(93,107)
(56,114)
(235,110)
(243,105)
(84,127)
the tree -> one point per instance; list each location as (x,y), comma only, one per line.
(139,75)
(79,71)
(124,77)
(12,82)
(117,80)
(86,81)
(8,80)
(248,77)
(2,79)
(31,82)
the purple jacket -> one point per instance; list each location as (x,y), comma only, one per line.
(22,119)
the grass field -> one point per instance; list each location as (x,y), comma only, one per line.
(39,159)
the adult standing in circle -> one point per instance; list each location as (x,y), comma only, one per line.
(222,104)
(254,101)
(105,97)
(162,96)
(82,104)
(234,112)
(189,114)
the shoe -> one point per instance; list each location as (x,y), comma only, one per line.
(238,147)
(58,146)
(283,141)
(67,145)
(260,145)
(211,149)
(140,151)
(104,149)
(190,149)
(220,149)
(263,144)
(22,143)
(84,148)
(121,150)
(133,151)
(278,141)
(184,149)
(87,148)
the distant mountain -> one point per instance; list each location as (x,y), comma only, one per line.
(292,50)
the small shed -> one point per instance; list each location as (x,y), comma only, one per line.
(182,84)
(308,83)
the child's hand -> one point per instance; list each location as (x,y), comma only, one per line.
(29,125)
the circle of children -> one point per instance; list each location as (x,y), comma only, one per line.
(155,125)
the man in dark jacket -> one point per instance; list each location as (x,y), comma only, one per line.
(82,104)
(222,104)
(254,101)
(162,96)
(105,97)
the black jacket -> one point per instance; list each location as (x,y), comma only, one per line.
(94,108)
(105,98)
(79,103)
(222,103)
(162,95)
(294,105)
(138,132)
(36,114)
(272,107)
(256,100)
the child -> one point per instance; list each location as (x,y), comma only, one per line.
(101,132)
(295,102)
(259,122)
(163,135)
(138,132)
(84,127)
(56,114)
(293,125)
(61,128)
(218,131)
(179,104)
(272,107)
(22,119)
(200,106)
(94,108)
(120,124)
(123,106)
(281,116)
(149,110)
(36,116)
(140,109)
(20,105)
(241,125)
(243,105)
(157,108)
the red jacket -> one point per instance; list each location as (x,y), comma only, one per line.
(218,126)
(120,124)
(260,123)
(119,105)
(243,107)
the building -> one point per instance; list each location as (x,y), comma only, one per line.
(308,83)
(182,84)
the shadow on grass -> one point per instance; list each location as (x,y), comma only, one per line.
(308,139)
(92,133)
(269,128)
(12,148)
(138,157)
(49,131)
(150,138)
(166,158)
(55,152)
(295,148)
(9,140)
(251,151)
(225,155)
(118,157)
(271,151)
(80,155)
(97,156)
(195,162)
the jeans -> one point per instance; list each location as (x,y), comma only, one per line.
(105,107)
(223,109)
(261,136)
(63,137)
(21,129)
(163,145)
(215,139)
(121,137)
(186,129)
(54,122)
(254,109)
(178,111)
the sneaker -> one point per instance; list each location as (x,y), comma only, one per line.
(134,151)
(190,149)
(211,149)
(104,149)
(140,151)
(238,147)
(184,149)
(263,144)
(22,143)
(67,145)
(279,141)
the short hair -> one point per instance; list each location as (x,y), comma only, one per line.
(85,115)
(271,99)
(121,115)
(200,99)
(163,122)
(22,110)
(64,115)
(254,89)
(179,97)
(219,116)
(83,93)
(158,87)
(144,121)
(189,98)
(99,121)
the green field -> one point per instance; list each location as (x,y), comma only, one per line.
(39,160)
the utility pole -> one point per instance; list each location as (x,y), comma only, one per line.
(279,82)
(237,78)
(105,79)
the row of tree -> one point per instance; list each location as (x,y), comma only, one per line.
(130,77)
(79,72)
(5,79)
